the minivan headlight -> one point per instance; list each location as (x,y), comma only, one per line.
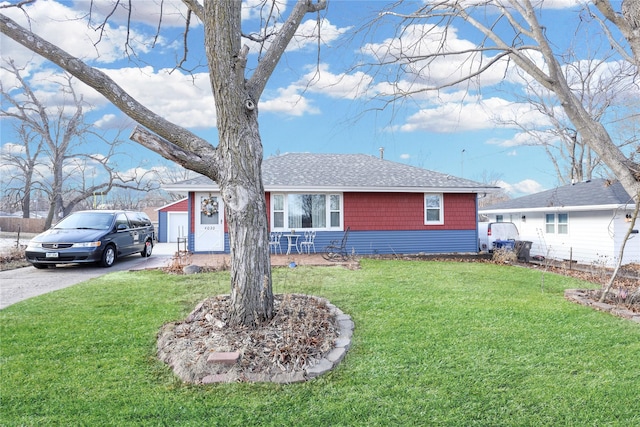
(87,244)
(34,245)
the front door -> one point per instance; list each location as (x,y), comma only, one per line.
(209,227)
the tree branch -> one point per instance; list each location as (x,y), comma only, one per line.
(102,83)
(196,8)
(268,63)
(175,153)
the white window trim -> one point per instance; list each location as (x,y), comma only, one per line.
(286,212)
(424,209)
(556,223)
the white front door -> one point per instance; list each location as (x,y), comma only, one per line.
(209,227)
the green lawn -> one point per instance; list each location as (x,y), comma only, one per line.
(435,343)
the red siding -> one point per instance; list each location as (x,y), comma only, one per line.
(179,206)
(405,211)
(391,211)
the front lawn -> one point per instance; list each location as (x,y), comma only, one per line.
(435,343)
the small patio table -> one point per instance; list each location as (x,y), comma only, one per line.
(292,240)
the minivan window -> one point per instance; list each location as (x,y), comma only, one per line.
(138,219)
(121,219)
(86,220)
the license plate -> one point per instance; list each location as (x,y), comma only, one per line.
(52,255)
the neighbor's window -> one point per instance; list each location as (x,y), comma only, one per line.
(550,223)
(557,223)
(563,223)
(499,218)
(303,211)
(433,209)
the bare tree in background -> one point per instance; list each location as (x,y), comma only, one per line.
(492,179)
(19,162)
(509,33)
(53,158)
(236,162)
(608,91)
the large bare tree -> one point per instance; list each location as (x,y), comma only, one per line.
(235,163)
(53,157)
(22,159)
(502,34)
(608,91)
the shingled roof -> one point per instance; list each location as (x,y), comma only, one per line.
(597,192)
(346,172)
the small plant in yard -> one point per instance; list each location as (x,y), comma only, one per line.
(11,258)
(504,256)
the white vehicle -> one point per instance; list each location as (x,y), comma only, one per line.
(490,232)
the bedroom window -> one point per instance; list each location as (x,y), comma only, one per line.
(433,212)
(306,211)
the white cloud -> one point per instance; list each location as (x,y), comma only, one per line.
(527,138)
(12,149)
(341,86)
(289,101)
(103,46)
(524,187)
(405,156)
(292,100)
(306,36)
(428,41)
(182,99)
(105,121)
(461,117)
(148,12)
(255,9)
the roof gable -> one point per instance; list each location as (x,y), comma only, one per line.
(588,193)
(348,171)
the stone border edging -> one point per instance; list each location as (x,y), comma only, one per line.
(580,296)
(329,361)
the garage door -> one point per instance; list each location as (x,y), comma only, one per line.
(177,225)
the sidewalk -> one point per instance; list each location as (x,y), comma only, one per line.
(165,252)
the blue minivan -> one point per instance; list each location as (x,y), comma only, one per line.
(99,236)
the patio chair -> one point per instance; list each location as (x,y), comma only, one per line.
(308,243)
(337,249)
(274,242)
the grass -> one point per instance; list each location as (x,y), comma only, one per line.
(436,343)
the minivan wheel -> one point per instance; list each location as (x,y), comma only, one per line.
(108,256)
(148,248)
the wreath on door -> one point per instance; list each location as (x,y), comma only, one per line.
(209,206)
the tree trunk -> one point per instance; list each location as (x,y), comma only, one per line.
(245,207)
(240,173)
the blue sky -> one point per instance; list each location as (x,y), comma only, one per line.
(314,102)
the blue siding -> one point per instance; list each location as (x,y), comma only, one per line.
(405,242)
(162,231)
(393,242)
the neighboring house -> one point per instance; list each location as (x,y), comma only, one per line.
(584,222)
(173,221)
(389,207)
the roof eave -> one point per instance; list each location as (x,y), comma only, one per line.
(557,208)
(338,189)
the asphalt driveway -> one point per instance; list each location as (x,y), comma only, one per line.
(27,282)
